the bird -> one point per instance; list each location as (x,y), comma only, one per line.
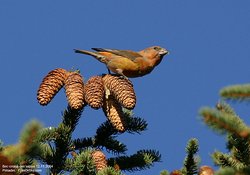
(128,63)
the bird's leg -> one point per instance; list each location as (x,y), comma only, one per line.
(119,71)
(108,70)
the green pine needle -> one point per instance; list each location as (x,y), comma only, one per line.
(232,171)
(30,147)
(226,171)
(236,92)
(57,142)
(83,163)
(109,171)
(240,149)
(47,152)
(111,145)
(141,160)
(47,134)
(164,172)
(30,132)
(224,107)
(133,125)
(1,145)
(190,162)
(71,117)
(105,130)
(223,122)
(83,143)
(192,146)
(226,160)
(136,125)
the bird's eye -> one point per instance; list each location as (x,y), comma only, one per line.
(156,48)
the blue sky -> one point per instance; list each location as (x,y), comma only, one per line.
(209,44)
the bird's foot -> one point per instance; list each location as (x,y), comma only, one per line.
(123,77)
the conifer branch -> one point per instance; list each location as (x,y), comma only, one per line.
(109,171)
(232,171)
(109,143)
(240,149)
(57,142)
(224,107)
(190,162)
(28,144)
(223,122)
(83,143)
(226,171)
(133,125)
(47,134)
(225,160)
(27,147)
(60,149)
(164,172)
(47,152)
(136,125)
(69,164)
(24,152)
(1,145)
(143,159)
(105,130)
(236,92)
(71,117)
(245,171)
(83,164)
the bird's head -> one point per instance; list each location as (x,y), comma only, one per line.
(154,51)
(159,50)
(155,54)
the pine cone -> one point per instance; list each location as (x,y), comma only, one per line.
(206,170)
(121,89)
(50,85)
(94,92)
(117,167)
(74,88)
(99,160)
(114,113)
(176,172)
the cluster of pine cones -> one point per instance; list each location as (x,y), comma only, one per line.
(112,93)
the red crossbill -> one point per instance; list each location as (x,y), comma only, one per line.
(126,62)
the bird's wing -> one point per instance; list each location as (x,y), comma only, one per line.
(124,53)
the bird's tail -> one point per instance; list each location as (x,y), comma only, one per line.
(99,57)
(86,52)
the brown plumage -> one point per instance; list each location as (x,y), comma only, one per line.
(128,63)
